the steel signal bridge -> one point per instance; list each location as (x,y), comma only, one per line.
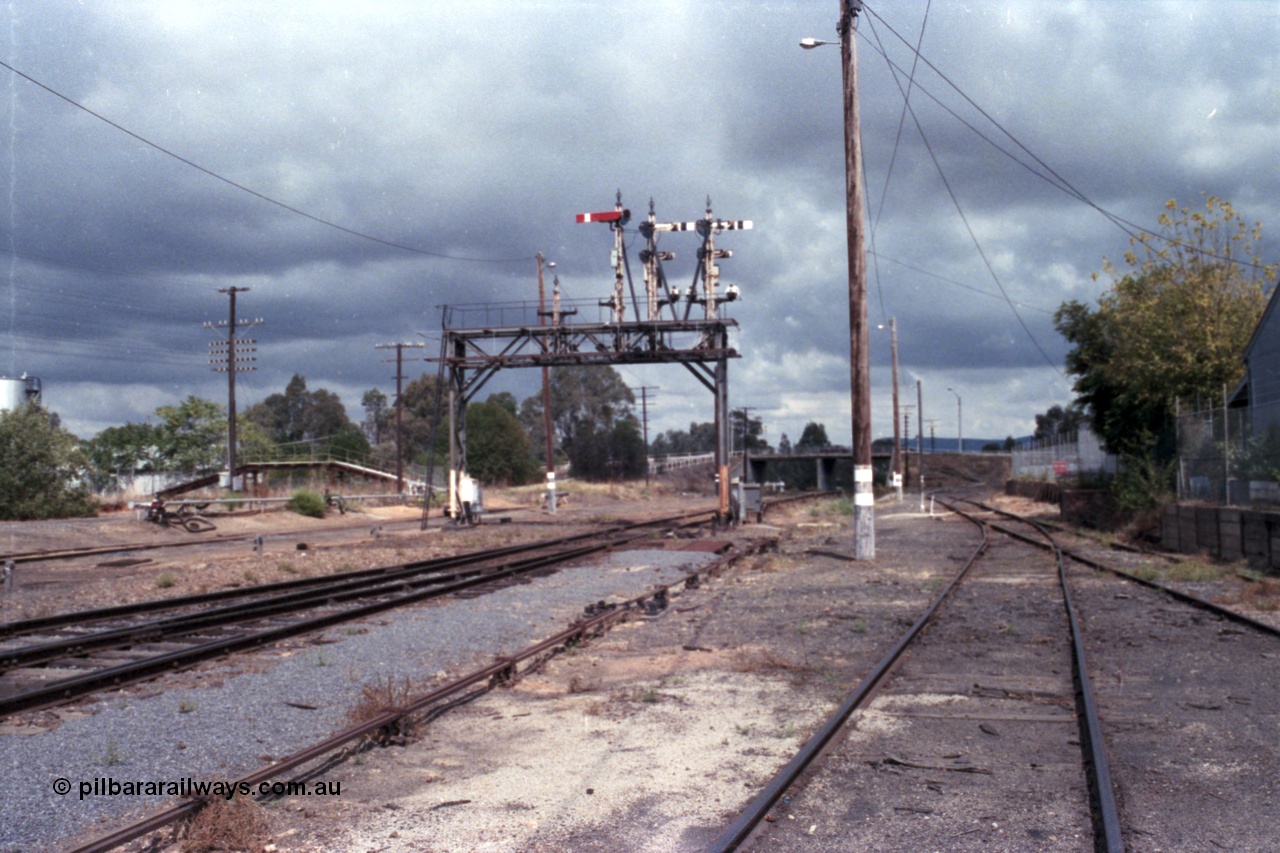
(478,341)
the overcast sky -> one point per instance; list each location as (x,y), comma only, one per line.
(473,132)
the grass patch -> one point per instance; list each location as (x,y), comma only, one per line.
(186,706)
(1194,570)
(166,580)
(113,757)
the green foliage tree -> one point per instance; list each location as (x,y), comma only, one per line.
(1057,422)
(699,438)
(39,467)
(589,407)
(300,414)
(814,437)
(123,451)
(193,434)
(498,448)
(1173,325)
(378,415)
(423,418)
(348,444)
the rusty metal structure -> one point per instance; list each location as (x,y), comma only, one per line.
(478,341)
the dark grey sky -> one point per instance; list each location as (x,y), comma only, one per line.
(478,131)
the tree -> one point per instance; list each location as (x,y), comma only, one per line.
(1057,422)
(814,437)
(498,448)
(424,416)
(531,419)
(39,464)
(589,405)
(123,450)
(377,414)
(299,414)
(192,434)
(1174,325)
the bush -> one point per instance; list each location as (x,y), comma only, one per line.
(307,502)
(39,466)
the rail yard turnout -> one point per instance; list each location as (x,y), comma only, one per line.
(629,674)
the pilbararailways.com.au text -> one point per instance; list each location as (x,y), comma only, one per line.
(188,787)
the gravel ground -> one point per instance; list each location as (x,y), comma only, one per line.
(648,739)
(162,732)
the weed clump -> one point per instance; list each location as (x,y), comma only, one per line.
(235,824)
(382,695)
(307,502)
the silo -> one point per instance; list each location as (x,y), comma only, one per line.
(16,392)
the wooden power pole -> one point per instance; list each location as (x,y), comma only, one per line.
(864,547)
(231,356)
(399,348)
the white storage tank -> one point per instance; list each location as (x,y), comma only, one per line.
(16,392)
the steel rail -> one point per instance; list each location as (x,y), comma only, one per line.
(501,670)
(66,689)
(1177,594)
(186,624)
(100,550)
(27,626)
(732,836)
(1105,812)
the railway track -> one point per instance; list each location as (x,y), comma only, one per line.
(1041,689)
(596,621)
(61,659)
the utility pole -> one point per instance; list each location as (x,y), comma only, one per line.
(644,419)
(399,348)
(864,547)
(933,441)
(920,438)
(959,417)
(906,442)
(897,437)
(231,356)
(548,438)
(746,434)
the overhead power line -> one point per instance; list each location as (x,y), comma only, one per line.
(968,228)
(262,196)
(1053,178)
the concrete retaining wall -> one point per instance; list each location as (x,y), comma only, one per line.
(1226,533)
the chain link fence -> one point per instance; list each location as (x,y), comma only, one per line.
(1230,455)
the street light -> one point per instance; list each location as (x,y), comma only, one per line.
(897,435)
(864,532)
(959,417)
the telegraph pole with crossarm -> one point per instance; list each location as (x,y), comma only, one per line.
(232,356)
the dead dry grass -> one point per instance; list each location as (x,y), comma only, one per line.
(378,697)
(1259,595)
(222,825)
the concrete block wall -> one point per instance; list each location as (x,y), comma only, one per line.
(1225,533)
